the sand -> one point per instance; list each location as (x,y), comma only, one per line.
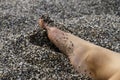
(27,54)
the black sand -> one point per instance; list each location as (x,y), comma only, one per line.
(25,51)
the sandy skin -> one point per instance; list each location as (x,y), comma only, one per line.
(87,58)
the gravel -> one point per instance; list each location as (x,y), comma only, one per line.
(27,54)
